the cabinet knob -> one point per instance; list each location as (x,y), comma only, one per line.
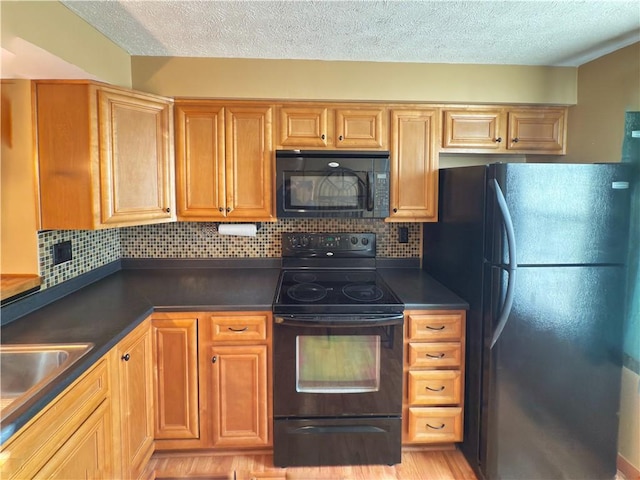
(499,139)
(516,140)
(340,138)
(228,209)
(395,210)
(168,210)
(126,357)
(214,359)
(221,209)
(322,136)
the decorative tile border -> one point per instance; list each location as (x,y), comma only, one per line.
(201,240)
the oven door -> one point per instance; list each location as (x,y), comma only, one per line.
(327,368)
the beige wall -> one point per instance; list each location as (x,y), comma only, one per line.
(607,88)
(18,220)
(54,28)
(321,80)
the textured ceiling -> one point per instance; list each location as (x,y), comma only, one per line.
(558,33)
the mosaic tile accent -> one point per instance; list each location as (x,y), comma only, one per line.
(201,240)
(90,250)
(93,249)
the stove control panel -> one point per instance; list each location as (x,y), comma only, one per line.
(331,244)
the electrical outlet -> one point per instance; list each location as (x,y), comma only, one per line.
(403,234)
(62,252)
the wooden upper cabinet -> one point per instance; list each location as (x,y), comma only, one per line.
(414,165)
(200,164)
(472,129)
(105,156)
(303,127)
(224,161)
(532,130)
(350,126)
(538,130)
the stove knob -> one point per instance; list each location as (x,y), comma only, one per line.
(365,240)
(354,240)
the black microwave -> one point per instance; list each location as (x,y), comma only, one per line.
(330,183)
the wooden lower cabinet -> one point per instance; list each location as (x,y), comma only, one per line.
(235,364)
(176,392)
(433,408)
(238,393)
(212,382)
(71,438)
(134,399)
(87,454)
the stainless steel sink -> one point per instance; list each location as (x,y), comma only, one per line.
(26,369)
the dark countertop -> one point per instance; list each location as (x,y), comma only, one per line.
(105,311)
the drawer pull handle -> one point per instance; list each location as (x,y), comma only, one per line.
(435,428)
(238,329)
(435,389)
(440,355)
(435,328)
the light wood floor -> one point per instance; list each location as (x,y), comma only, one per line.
(416,465)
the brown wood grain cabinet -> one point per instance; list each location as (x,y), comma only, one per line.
(70,438)
(433,376)
(224,161)
(492,129)
(235,364)
(105,156)
(175,353)
(314,125)
(414,165)
(133,399)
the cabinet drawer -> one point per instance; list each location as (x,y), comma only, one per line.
(434,355)
(436,327)
(435,424)
(435,387)
(229,328)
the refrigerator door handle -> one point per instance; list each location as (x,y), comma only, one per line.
(511,269)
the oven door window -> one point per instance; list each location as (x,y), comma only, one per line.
(337,363)
(329,190)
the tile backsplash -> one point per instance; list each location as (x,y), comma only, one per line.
(90,250)
(201,240)
(93,249)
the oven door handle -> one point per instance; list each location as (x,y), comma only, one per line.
(327,321)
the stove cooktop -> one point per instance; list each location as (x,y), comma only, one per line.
(308,291)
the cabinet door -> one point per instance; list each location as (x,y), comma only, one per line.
(136,158)
(472,129)
(200,172)
(87,454)
(136,399)
(414,166)
(360,128)
(249,163)
(537,130)
(238,387)
(175,349)
(302,127)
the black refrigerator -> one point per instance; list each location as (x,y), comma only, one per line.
(538,251)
